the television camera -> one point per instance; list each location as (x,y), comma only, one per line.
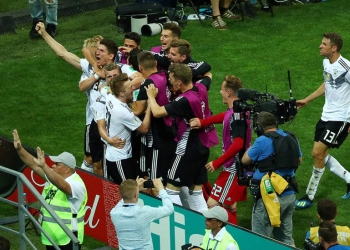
(310,245)
(255,102)
(283,110)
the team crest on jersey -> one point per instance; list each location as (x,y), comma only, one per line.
(335,73)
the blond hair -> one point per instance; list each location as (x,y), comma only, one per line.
(92,41)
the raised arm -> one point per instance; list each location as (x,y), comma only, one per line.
(51,175)
(86,82)
(58,48)
(27,158)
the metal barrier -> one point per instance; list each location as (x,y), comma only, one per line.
(23,213)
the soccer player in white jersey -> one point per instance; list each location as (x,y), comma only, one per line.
(111,70)
(120,122)
(90,81)
(90,45)
(105,53)
(332,128)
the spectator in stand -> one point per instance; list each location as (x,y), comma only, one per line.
(36,12)
(221,9)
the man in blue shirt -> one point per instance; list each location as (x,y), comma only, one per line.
(282,162)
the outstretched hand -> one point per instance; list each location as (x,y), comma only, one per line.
(301,103)
(40,161)
(40,28)
(16,141)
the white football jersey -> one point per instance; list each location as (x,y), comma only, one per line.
(337,94)
(120,121)
(89,114)
(93,92)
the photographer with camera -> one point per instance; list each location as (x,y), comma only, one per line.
(277,155)
(236,139)
(327,211)
(327,233)
(131,221)
(333,126)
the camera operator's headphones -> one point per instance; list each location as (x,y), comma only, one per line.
(257,127)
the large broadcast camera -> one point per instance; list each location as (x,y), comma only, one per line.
(283,110)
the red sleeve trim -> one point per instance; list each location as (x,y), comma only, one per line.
(219,118)
(235,147)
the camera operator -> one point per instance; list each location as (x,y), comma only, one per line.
(327,211)
(328,236)
(277,155)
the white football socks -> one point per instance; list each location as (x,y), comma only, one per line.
(314,181)
(174,196)
(198,200)
(337,168)
(87,167)
(186,199)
